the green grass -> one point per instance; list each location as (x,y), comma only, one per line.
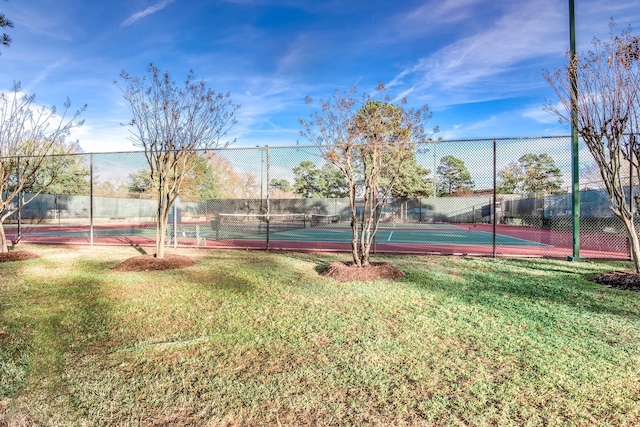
(255,338)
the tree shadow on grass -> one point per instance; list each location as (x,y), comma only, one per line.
(533,281)
(66,318)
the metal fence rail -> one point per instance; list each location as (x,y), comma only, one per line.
(238,196)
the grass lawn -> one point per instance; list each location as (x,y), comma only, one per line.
(255,338)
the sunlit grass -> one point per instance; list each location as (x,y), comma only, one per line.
(260,338)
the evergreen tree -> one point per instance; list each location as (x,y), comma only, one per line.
(308,180)
(534,175)
(313,182)
(5,40)
(281,184)
(413,181)
(453,177)
(335,184)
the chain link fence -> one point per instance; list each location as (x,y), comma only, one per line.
(503,197)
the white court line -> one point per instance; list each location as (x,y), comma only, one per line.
(391,234)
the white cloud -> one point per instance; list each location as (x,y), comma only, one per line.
(148,11)
(103,136)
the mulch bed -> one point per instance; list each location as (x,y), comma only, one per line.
(623,280)
(151,263)
(346,271)
(17,256)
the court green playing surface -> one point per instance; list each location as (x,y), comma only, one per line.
(401,235)
(409,234)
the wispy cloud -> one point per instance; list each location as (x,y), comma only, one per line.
(522,34)
(538,114)
(264,99)
(148,11)
(299,52)
(246,2)
(42,76)
(439,12)
(473,128)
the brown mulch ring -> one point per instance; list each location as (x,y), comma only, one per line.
(151,263)
(21,255)
(346,271)
(623,280)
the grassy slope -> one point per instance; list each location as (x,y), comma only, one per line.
(260,338)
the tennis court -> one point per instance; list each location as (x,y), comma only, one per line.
(296,230)
(303,232)
(251,233)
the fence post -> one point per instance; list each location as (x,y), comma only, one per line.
(175,224)
(91,199)
(495,193)
(632,138)
(435,159)
(19,205)
(261,177)
(376,216)
(267,195)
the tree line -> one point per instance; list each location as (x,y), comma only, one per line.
(214,177)
(533,175)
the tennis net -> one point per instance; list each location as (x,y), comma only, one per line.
(320,219)
(239,225)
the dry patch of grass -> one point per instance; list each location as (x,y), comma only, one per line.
(149,262)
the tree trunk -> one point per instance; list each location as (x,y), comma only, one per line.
(354,228)
(355,250)
(633,242)
(161,226)
(3,240)
(159,237)
(365,248)
(161,233)
(368,222)
(364,234)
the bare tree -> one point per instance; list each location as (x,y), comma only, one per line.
(171,124)
(369,140)
(591,178)
(28,137)
(607,81)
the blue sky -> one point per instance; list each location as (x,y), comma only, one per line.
(477,63)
